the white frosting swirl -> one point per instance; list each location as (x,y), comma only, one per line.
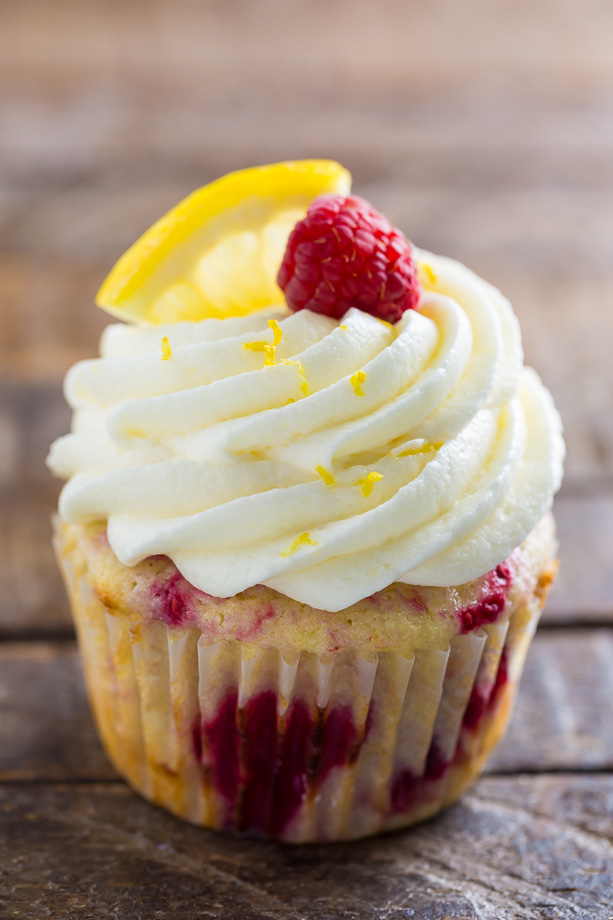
(366,454)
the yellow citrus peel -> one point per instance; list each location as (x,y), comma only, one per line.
(421,449)
(327,477)
(303,381)
(166,350)
(303,540)
(356,381)
(277,332)
(269,350)
(368,482)
(217,252)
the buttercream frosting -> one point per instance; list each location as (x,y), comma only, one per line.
(324,459)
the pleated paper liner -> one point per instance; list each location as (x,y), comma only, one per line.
(238,738)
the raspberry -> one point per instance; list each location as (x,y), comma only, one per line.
(345,254)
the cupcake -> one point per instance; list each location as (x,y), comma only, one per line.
(306,529)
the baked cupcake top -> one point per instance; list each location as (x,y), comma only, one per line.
(325,456)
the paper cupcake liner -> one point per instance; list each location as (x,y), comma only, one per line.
(235,737)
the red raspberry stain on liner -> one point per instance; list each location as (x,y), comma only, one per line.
(370,721)
(436,762)
(338,743)
(407,787)
(502,677)
(291,780)
(260,738)
(197,739)
(481,701)
(219,748)
(475,708)
(262,767)
(346,254)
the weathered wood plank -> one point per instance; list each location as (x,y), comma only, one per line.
(562,719)
(116,36)
(48,320)
(33,600)
(31,417)
(444,199)
(531,847)
(46,731)
(584,589)
(146,71)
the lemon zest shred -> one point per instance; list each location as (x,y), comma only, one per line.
(342,326)
(368,482)
(327,477)
(413,451)
(269,351)
(303,540)
(166,349)
(260,346)
(276,331)
(265,347)
(384,322)
(429,273)
(303,381)
(356,381)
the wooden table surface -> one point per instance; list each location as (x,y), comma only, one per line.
(485,130)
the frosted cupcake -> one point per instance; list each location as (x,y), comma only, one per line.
(306,532)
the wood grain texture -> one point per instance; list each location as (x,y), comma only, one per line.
(530,848)
(33,596)
(46,731)
(303,65)
(584,589)
(562,718)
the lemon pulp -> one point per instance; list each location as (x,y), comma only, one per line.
(217,252)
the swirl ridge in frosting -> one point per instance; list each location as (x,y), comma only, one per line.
(345,457)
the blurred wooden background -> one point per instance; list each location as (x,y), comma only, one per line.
(485,131)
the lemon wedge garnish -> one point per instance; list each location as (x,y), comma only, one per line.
(217,252)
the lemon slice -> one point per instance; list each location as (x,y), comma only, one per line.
(217,253)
